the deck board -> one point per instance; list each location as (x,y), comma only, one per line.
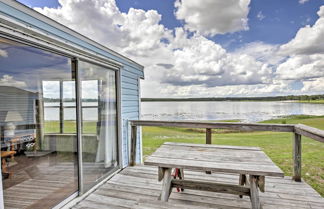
(31,189)
(43,184)
(138,187)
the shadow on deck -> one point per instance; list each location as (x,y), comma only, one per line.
(138,187)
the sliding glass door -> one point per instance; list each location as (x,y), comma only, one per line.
(99,122)
(45,156)
(38,158)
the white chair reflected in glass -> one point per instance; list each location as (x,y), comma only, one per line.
(10,118)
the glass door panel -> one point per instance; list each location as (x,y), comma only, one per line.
(39,160)
(99,122)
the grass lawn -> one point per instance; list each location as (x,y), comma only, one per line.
(317,101)
(278,146)
(89,127)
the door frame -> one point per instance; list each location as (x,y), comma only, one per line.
(45,43)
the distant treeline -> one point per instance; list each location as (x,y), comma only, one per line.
(274,98)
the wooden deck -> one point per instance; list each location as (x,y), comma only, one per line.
(39,186)
(138,187)
(39,183)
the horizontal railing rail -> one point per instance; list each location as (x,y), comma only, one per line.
(218,125)
(310,132)
(298,130)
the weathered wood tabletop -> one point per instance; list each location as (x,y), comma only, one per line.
(251,161)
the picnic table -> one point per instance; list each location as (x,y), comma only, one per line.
(251,163)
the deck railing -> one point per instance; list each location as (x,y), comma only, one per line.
(298,130)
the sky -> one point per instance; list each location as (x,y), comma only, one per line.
(209,48)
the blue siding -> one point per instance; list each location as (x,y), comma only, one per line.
(130,92)
(129,80)
(129,85)
(130,106)
(137,71)
(130,73)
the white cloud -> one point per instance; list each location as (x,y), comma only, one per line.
(305,57)
(308,40)
(202,67)
(303,1)
(3,53)
(302,67)
(316,85)
(133,33)
(212,17)
(8,80)
(202,62)
(276,88)
(260,15)
(183,61)
(266,53)
(182,65)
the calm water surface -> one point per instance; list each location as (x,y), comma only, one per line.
(52,111)
(226,110)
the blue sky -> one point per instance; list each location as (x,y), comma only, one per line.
(281,21)
(207,48)
(283,16)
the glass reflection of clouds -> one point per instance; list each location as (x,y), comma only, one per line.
(8,80)
(24,66)
(90,89)
(3,53)
(51,89)
(69,90)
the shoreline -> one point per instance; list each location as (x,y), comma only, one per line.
(284,101)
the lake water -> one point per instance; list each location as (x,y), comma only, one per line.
(226,110)
(52,111)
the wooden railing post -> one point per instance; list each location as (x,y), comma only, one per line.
(297,157)
(208,141)
(133,145)
(208,136)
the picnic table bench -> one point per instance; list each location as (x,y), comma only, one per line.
(251,163)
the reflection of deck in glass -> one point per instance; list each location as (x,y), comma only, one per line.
(43,182)
(39,182)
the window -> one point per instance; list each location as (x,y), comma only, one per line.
(51,103)
(63,103)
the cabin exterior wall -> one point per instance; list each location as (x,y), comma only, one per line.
(130,71)
(19,23)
